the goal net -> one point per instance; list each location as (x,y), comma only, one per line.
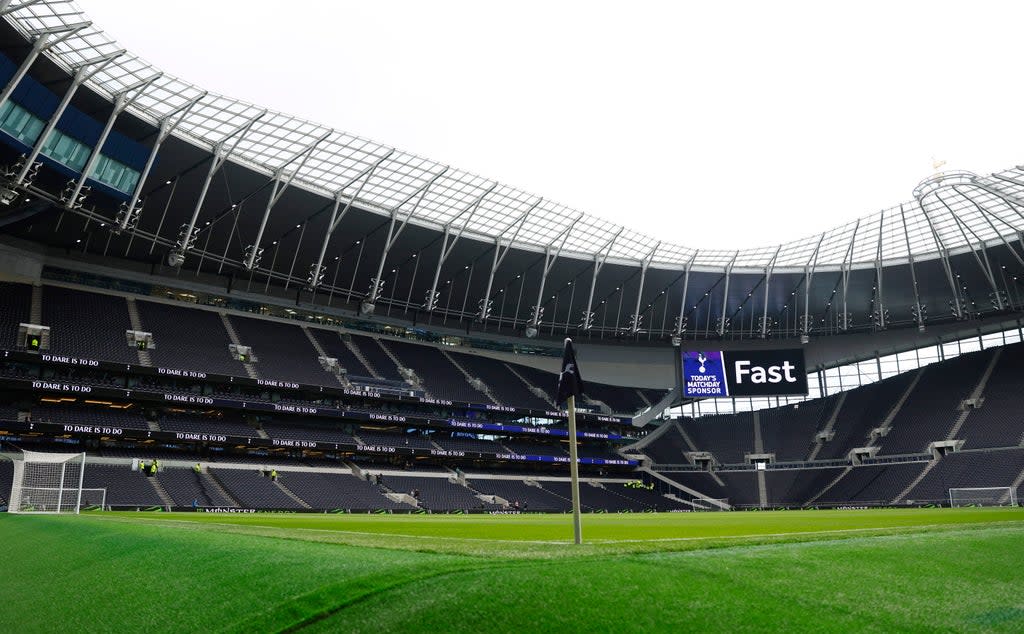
(48,483)
(983,496)
(710,504)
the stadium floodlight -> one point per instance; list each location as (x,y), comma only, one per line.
(485,306)
(47,482)
(251,252)
(315,277)
(588,320)
(982,496)
(127,219)
(68,197)
(430,300)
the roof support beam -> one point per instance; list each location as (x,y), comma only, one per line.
(6,8)
(919,310)
(549,262)
(501,251)
(281,185)
(809,268)
(363,177)
(682,318)
(377,282)
(219,157)
(130,212)
(845,273)
(976,247)
(599,259)
(722,319)
(121,101)
(44,40)
(634,326)
(988,218)
(765,327)
(879,304)
(82,74)
(446,249)
(955,303)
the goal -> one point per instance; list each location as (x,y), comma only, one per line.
(983,496)
(49,483)
(710,504)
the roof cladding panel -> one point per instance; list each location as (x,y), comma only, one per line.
(338,161)
(959,218)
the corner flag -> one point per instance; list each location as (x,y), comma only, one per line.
(570,386)
(570,383)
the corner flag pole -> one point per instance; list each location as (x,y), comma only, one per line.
(574,472)
(570,385)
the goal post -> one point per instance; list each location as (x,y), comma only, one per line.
(47,482)
(709,504)
(982,496)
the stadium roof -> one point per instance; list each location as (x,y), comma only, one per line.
(951,213)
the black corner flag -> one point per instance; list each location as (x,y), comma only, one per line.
(570,383)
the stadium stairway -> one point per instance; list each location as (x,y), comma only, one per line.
(476,382)
(160,490)
(537,391)
(320,351)
(827,429)
(36,310)
(288,492)
(828,486)
(249,369)
(975,395)
(133,317)
(358,354)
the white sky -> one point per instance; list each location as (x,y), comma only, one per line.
(708,124)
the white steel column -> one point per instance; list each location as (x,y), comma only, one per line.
(599,259)
(131,211)
(682,318)
(316,270)
(446,249)
(43,41)
(549,263)
(722,319)
(121,101)
(812,264)
(219,157)
(278,191)
(82,73)
(768,271)
(392,237)
(634,327)
(500,252)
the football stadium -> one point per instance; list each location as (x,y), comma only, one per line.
(260,374)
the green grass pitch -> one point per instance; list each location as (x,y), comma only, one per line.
(927,570)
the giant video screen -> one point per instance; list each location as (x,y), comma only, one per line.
(726,373)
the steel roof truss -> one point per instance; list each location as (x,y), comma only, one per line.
(44,41)
(121,101)
(501,251)
(363,177)
(167,125)
(768,271)
(393,234)
(725,295)
(446,249)
(976,246)
(599,259)
(634,327)
(82,73)
(918,312)
(217,159)
(549,262)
